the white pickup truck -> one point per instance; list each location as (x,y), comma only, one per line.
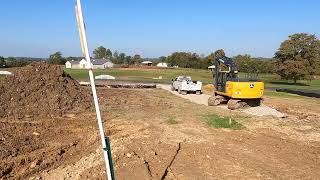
(184,84)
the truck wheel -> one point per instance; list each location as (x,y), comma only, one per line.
(184,92)
(198,92)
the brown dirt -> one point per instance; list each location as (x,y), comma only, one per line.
(208,89)
(301,111)
(146,146)
(39,90)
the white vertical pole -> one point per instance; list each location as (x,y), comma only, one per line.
(85,50)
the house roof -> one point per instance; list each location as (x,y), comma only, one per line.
(74,62)
(146,62)
(93,61)
(100,61)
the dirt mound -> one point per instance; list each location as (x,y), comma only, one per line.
(208,89)
(40,89)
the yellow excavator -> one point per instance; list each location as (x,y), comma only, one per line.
(229,88)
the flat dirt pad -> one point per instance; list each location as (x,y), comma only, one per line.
(147,145)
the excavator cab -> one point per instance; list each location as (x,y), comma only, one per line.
(230,88)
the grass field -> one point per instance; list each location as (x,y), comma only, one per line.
(310,85)
(152,76)
(222,122)
(145,75)
(289,96)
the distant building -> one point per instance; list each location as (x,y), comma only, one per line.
(96,64)
(102,63)
(162,64)
(147,63)
(73,64)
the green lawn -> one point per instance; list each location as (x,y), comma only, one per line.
(290,96)
(284,95)
(222,122)
(310,85)
(150,75)
(145,75)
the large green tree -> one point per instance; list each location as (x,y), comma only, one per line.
(247,64)
(101,52)
(56,58)
(129,60)
(298,57)
(162,59)
(122,58)
(137,59)
(115,57)
(109,54)
(184,59)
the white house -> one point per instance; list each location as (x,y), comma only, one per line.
(162,64)
(72,64)
(101,63)
(147,63)
(96,64)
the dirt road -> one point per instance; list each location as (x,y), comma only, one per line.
(147,145)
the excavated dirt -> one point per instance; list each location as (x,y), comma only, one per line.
(41,90)
(301,111)
(147,145)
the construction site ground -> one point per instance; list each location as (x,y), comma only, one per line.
(157,135)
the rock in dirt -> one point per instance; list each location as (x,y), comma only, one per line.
(36,134)
(41,90)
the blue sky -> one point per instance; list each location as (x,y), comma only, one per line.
(153,28)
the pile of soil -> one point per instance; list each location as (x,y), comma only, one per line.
(41,90)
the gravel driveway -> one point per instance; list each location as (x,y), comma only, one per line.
(262,110)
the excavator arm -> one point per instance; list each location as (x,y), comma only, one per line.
(226,61)
(222,76)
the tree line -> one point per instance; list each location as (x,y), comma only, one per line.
(117,57)
(16,61)
(297,58)
(99,53)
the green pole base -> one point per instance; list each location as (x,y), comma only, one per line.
(108,149)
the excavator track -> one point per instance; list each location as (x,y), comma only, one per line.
(233,104)
(238,104)
(215,100)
